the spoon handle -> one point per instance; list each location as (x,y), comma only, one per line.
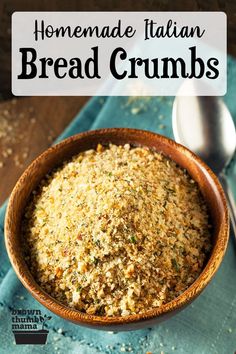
(230,200)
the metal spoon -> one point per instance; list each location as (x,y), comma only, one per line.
(204,125)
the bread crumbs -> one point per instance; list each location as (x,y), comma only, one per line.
(116,231)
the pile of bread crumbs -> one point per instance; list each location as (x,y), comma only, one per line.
(116,231)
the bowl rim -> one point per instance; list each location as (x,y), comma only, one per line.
(79,317)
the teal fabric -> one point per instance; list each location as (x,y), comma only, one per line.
(207,326)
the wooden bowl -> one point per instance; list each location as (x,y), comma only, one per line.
(207,181)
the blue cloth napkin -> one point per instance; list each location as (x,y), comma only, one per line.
(207,326)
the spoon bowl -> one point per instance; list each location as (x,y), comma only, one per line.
(205,126)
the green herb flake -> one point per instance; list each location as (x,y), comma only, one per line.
(84,278)
(97,243)
(133,239)
(95,261)
(170,190)
(101,310)
(175,264)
